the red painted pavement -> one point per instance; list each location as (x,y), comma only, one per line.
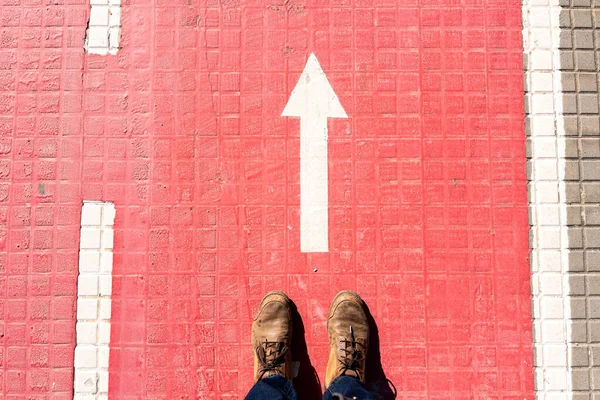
(182,130)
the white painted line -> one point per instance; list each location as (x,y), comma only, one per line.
(94,288)
(313,100)
(104,30)
(548,201)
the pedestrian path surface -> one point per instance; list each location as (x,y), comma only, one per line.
(184,131)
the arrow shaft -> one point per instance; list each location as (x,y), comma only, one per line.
(314,218)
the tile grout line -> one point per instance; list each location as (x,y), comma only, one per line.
(94,289)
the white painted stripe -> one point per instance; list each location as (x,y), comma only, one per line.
(104,29)
(94,288)
(548,202)
(314,215)
(313,100)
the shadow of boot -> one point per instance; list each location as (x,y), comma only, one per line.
(377,383)
(306,383)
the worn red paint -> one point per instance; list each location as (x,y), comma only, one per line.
(182,130)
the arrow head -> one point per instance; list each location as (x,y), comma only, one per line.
(313,95)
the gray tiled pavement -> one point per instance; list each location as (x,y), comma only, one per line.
(580,62)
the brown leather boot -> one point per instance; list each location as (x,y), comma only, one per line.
(272,337)
(348,330)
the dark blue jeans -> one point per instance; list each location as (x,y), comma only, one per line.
(276,387)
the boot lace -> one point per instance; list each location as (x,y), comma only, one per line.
(353,355)
(271,357)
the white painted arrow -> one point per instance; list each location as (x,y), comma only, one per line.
(313,100)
